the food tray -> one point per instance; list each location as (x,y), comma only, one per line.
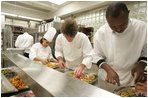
(128,91)
(90,78)
(25,94)
(8,73)
(52,65)
(18,83)
(6,86)
(14,79)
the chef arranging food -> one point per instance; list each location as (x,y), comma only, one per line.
(41,51)
(73,48)
(120,47)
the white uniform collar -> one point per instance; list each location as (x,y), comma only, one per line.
(25,33)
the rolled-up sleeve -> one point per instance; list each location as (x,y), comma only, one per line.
(87,53)
(58,47)
(33,52)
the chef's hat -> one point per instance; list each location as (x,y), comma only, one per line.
(49,35)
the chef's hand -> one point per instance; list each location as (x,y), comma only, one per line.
(139,71)
(112,76)
(78,71)
(61,62)
(44,61)
(142,87)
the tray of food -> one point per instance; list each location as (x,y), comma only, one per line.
(53,65)
(128,91)
(18,83)
(90,78)
(8,73)
(6,86)
(25,94)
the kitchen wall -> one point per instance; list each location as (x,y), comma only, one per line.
(92,13)
(76,7)
(96,18)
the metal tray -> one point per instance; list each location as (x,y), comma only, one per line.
(90,81)
(128,91)
(6,86)
(16,70)
(25,94)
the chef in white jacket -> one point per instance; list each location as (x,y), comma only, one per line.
(24,41)
(73,47)
(120,47)
(41,51)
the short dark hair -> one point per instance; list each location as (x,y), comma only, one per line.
(115,9)
(41,40)
(69,27)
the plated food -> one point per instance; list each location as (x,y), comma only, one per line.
(128,91)
(52,65)
(86,77)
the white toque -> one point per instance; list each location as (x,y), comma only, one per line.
(49,35)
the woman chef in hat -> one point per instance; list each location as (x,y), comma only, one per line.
(41,51)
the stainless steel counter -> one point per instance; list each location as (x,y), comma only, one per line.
(46,81)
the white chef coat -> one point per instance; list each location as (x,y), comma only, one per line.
(24,41)
(121,50)
(76,52)
(37,50)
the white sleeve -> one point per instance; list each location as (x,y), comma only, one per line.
(17,42)
(50,54)
(143,56)
(144,51)
(98,54)
(58,47)
(31,42)
(33,52)
(87,53)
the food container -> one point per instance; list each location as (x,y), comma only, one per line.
(25,94)
(11,74)
(128,91)
(18,83)
(6,86)
(90,78)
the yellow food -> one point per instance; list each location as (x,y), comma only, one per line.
(52,65)
(18,82)
(129,92)
(84,77)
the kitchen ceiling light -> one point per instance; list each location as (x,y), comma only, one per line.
(58,2)
(30,18)
(3,13)
(14,15)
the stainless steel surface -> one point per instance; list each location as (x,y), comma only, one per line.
(56,83)
(6,86)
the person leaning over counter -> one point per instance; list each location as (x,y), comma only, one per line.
(120,47)
(41,51)
(74,47)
